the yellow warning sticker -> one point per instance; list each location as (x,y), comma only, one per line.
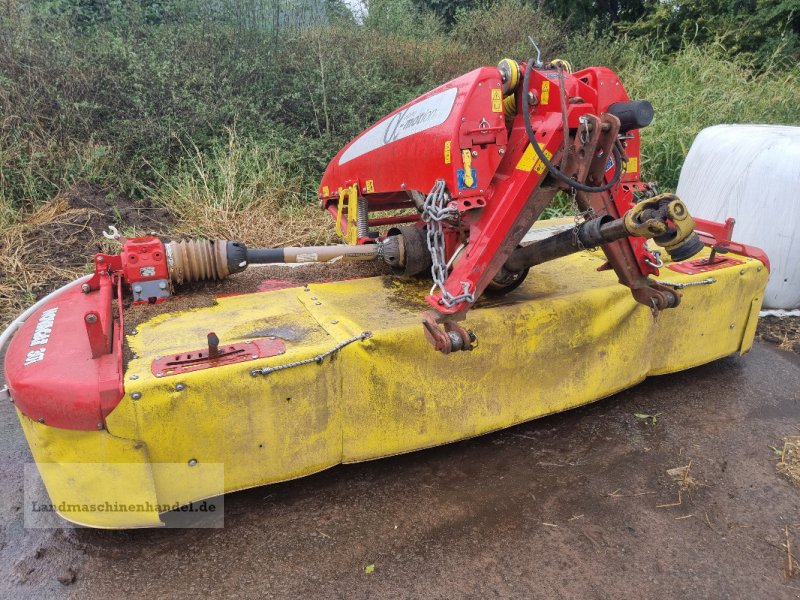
(466,157)
(539,167)
(530,161)
(633,165)
(370,186)
(545,97)
(326,191)
(528,158)
(497,100)
(447,156)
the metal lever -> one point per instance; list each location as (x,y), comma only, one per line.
(213,345)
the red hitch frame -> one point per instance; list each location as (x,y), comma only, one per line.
(459,133)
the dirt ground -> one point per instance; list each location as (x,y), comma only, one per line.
(53,245)
(600,502)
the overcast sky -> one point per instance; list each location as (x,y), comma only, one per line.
(358,8)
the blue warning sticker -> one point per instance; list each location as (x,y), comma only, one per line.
(462,184)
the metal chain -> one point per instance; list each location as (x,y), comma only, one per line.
(316,359)
(656,255)
(435,209)
(580,219)
(585,132)
(660,263)
(680,286)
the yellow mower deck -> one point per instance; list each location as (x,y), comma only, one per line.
(568,336)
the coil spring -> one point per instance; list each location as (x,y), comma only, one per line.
(362,225)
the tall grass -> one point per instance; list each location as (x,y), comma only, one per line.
(696,88)
(142,102)
(226,112)
(240,191)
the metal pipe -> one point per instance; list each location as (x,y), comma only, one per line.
(589,235)
(396,220)
(312,254)
(198,260)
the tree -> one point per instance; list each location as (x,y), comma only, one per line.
(758,28)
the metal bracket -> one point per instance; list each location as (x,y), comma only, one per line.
(99,340)
(451,338)
(197,360)
(143,291)
(584,148)
(704,265)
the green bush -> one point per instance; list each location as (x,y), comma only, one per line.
(501,30)
(114,92)
(699,87)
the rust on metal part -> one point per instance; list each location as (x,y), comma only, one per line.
(703,265)
(584,149)
(197,360)
(620,254)
(451,338)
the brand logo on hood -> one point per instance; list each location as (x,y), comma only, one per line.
(418,117)
(41,335)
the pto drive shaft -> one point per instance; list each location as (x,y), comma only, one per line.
(198,260)
(664,218)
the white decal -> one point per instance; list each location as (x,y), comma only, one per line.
(34,356)
(310,257)
(418,117)
(43,328)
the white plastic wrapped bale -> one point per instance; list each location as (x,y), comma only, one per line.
(752,173)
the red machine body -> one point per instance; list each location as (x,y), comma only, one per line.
(460,128)
(64,365)
(71,348)
(423,140)
(143,260)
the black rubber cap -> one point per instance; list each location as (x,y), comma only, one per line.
(632,115)
(691,246)
(237,254)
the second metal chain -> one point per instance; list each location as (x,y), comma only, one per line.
(680,286)
(314,359)
(580,219)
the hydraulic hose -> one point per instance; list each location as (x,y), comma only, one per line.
(582,187)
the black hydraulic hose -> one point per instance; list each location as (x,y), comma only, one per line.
(526,116)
